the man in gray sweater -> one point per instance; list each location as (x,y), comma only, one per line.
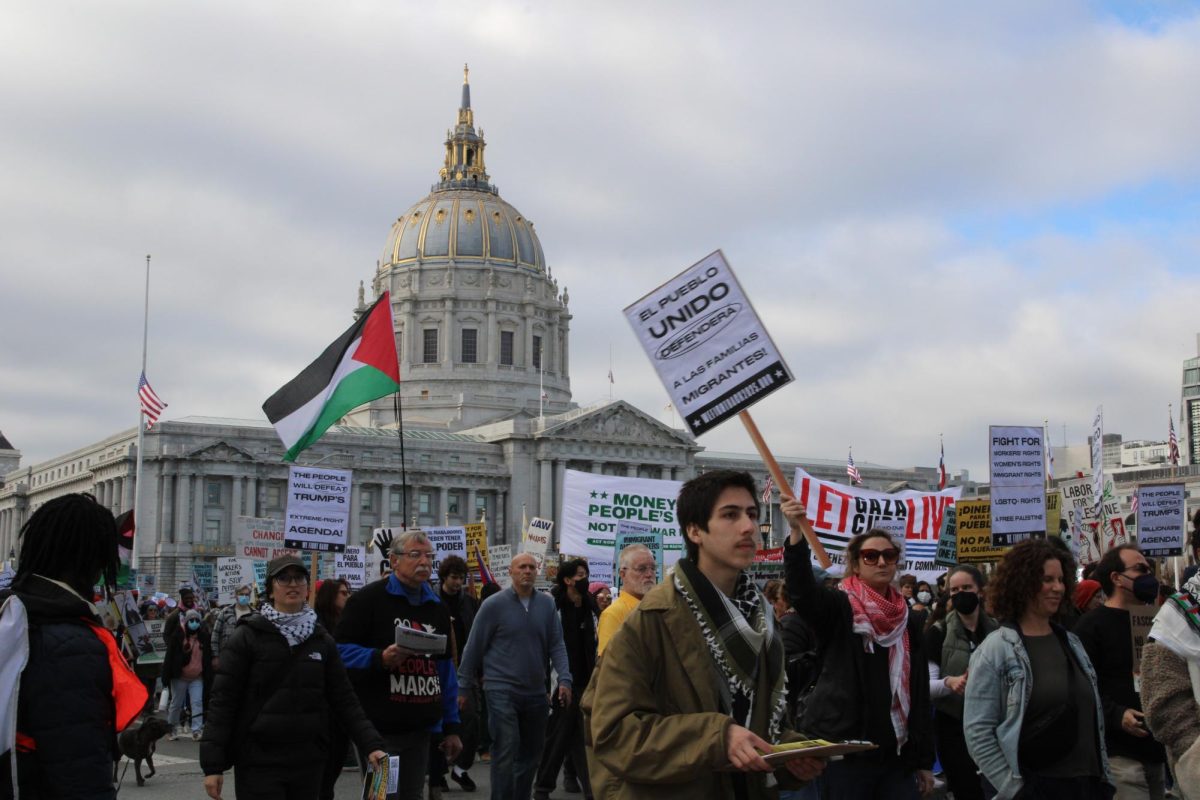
(515,635)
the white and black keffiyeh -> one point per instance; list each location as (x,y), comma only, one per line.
(296,628)
(736,630)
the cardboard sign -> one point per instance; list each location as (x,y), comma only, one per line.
(351,566)
(1162,519)
(537,537)
(378,565)
(1017,457)
(768,565)
(973,533)
(451,541)
(259,538)
(711,351)
(1088,538)
(232,573)
(477,547)
(318,508)
(501,557)
(594,504)
(947,547)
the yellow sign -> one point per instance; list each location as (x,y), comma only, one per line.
(974,523)
(476,538)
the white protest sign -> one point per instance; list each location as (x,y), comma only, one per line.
(258,537)
(537,536)
(711,351)
(499,557)
(838,512)
(1162,519)
(1088,539)
(594,504)
(446,542)
(232,573)
(351,566)
(1098,463)
(1017,458)
(318,508)
(381,543)
(639,533)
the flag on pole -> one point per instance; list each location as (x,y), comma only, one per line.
(942,468)
(1172,442)
(360,366)
(485,575)
(1133,505)
(1049,455)
(125,532)
(610,376)
(768,487)
(152,406)
(851,470)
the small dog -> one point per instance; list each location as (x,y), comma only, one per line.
(138,744)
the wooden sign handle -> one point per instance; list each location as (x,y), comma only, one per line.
(312,578)
(785,487)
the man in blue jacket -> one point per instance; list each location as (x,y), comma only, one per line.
(407,695)
(516,633)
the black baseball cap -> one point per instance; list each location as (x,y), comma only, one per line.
(281,563)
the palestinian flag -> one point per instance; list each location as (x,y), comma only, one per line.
(125,531)
(359,367)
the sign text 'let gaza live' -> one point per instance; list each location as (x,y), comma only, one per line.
(709,348)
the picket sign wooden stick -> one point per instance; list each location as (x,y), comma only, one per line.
(785,487)
(312,578)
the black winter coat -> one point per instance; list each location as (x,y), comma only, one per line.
(173,659)
(836,707)
(272,704)
(65,702)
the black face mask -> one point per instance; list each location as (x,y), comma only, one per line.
(1145,588)
(965,602)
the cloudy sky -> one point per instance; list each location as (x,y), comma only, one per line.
(949,215)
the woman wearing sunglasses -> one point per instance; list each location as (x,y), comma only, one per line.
(1031,715)
(874,681)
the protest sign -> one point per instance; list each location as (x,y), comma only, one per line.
(1087,538)
(768,565)
(593,505)
(260,576)
(947,547)
(154,640)
(203,574)
(450,541)
(318,508)
(973,533)
(378,565)
(630,532)
(477,547)
(537,536)
(259,537)
(711,351)
(1161,519)
(351,566)
(501,557)
(838,512)
(1098,464)
(1018,480)
(1141,619)
(601,571)
(232,573)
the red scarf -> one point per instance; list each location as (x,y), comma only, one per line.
(883,620)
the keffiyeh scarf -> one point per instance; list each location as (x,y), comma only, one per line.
(883,620)
(296,628)
(736,631)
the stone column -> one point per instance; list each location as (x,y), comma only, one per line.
(597,467)
(385,505)
(198,495)
(448,333)
(165,485)
(183,495)
(631,470)
(546,489)
(251,496)
(443,509)
(560,473)
(668,473)
(127,486)
(355,510)
(235,509)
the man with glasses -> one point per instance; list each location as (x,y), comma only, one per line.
(639,574)
(1136,759)
(407,695)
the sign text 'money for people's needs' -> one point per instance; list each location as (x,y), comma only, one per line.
(709,348)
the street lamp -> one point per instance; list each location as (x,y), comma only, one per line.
(764,529)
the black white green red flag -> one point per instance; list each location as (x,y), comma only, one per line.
(359,367)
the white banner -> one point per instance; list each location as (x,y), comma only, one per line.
(1017,459)
(711,351)
(1162,519)
(232,573)
(594,504)
(351,566)
(318,508)
(838,512)
(1088,539)
(450,541)
(259,537)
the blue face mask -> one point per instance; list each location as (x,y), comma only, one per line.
(193,626)
(243,599)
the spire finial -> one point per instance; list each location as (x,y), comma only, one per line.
(466,73)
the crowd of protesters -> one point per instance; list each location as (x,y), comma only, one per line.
(1011,682)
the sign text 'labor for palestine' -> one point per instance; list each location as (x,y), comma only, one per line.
(710,349)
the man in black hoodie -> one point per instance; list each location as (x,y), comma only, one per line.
(76,692)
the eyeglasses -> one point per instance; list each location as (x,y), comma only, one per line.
(1140,569)
(291,578)
(418,555)
(890,556)
(644,569)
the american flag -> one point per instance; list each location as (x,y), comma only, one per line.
(1172,442)
(851,470)
(942,469)
(1133,505)
(768,487)
(152,407)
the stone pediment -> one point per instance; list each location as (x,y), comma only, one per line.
(220,451)
(619,422)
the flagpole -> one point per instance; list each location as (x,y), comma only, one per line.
(141,429)
(403,461)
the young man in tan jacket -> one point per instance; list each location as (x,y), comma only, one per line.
(690,690)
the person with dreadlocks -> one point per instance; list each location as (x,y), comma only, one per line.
(690,690)
(76,691)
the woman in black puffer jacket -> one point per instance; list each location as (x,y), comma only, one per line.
(279,682)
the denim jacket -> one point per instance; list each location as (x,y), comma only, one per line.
(996,698)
